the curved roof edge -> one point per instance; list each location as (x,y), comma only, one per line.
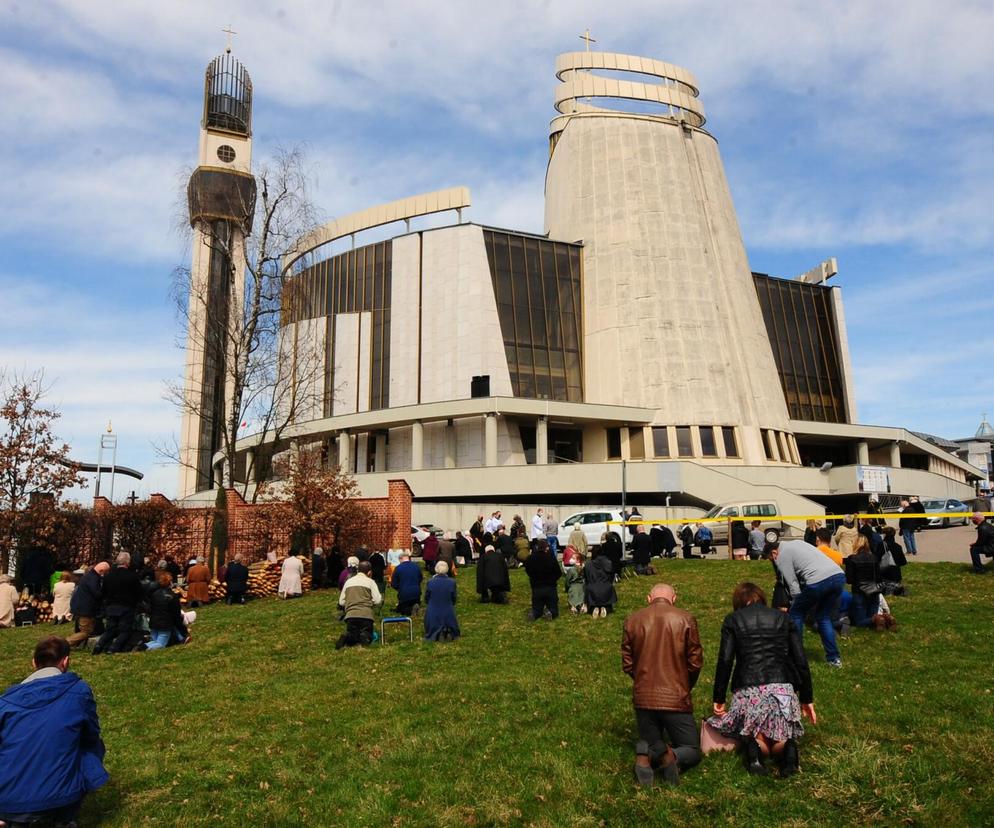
(438,201)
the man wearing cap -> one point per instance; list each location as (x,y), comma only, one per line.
(359,596)
(492,581)
(85,603)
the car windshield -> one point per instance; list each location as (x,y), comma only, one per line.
(713,512)
(934,505)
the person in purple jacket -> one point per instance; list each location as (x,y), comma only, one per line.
(51,754)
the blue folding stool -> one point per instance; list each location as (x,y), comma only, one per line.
(396,619)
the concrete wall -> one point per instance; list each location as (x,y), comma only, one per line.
(671,317)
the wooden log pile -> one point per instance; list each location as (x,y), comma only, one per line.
(42,608)
(264,577)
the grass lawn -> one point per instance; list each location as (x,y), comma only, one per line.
(260,721)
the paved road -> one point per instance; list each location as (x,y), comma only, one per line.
(952,544)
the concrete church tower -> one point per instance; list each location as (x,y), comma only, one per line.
(671,317)
(221,197)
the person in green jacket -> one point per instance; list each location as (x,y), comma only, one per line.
(574,584)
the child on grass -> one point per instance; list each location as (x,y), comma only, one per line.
(574,583)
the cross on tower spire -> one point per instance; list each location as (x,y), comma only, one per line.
(228,31)
(586,36)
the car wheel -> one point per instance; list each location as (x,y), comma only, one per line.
(772,535)
(415,548)
(945,523)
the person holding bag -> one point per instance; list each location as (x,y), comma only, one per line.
(762,654)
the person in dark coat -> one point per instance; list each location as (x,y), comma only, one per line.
(85,603)
(771,682)
(236,580)
(492,581)
(51,754)
(476,533)
(740,539)
(890,571)
(983,546)
(612,547)
(39,564)
(429,552)
(122,594)
(463,549)
(504,544)
(663,542)
(641,551)
(378,566)
(335,566)
(687,541)
(406,580)
(440,606)
(600,593)
(165,617)
(172,567)
(319,569)
(543,572)
(863,577)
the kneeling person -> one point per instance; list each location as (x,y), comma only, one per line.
(661,651)
(358,598)
(51,754)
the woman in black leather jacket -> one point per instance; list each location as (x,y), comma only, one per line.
(770,673)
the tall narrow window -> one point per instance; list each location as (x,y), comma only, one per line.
(767,443)
(660,441)
(636,443)
(708,447)
(684,442)
(731,446)
(614,444)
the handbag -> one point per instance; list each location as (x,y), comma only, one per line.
(713,739)
(887,559)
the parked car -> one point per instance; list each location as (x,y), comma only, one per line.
(947,505)
(431,527)
(593,523)
(418,537)
(745,511)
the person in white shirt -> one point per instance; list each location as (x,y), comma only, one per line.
(538,526)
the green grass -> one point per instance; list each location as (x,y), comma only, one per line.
(260,721)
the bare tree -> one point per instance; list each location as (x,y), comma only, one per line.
(33,461)
(272,376)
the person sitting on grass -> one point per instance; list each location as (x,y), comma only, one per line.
(440,606)
(771,682)
(492,581)
(359,597)
(51,754)
(543,572)
(890,563)
(574,583)
(661,651)
(236,580)
(165,617)
(984,544)
(862,575)
(406,579)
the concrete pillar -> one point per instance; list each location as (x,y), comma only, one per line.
(490,440)
(542,441)
(344,451)
(450,445)
(417,445)
(381,451)
(626,449)
(862,453)
(251,472)
(895,455)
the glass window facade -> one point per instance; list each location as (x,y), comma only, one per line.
(800,320)
(684,442)
(540,306)
(352,282)
(660,441)
(731,444)
(708,446)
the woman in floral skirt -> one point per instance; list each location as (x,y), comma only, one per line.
(771,682)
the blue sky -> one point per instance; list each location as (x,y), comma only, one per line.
(858,130)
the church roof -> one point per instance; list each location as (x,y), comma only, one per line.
(985,431)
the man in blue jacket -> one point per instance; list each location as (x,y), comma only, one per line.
(51,754)
(406,579)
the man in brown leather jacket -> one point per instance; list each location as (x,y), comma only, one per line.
(661,651)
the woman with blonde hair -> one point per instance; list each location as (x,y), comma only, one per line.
(811,532)
(62,592)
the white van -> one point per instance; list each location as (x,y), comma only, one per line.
(593,523)
(747,512)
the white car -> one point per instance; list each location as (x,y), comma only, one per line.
(418,537)
(593,523)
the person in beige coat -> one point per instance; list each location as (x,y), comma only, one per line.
(578,540)
(845,536)
(8,601)
(62,593)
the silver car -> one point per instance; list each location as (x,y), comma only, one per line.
(950,505)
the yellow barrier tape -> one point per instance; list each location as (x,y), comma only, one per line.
(784,518)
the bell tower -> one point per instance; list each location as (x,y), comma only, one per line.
(221,198)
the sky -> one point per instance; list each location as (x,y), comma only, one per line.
(863,131)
